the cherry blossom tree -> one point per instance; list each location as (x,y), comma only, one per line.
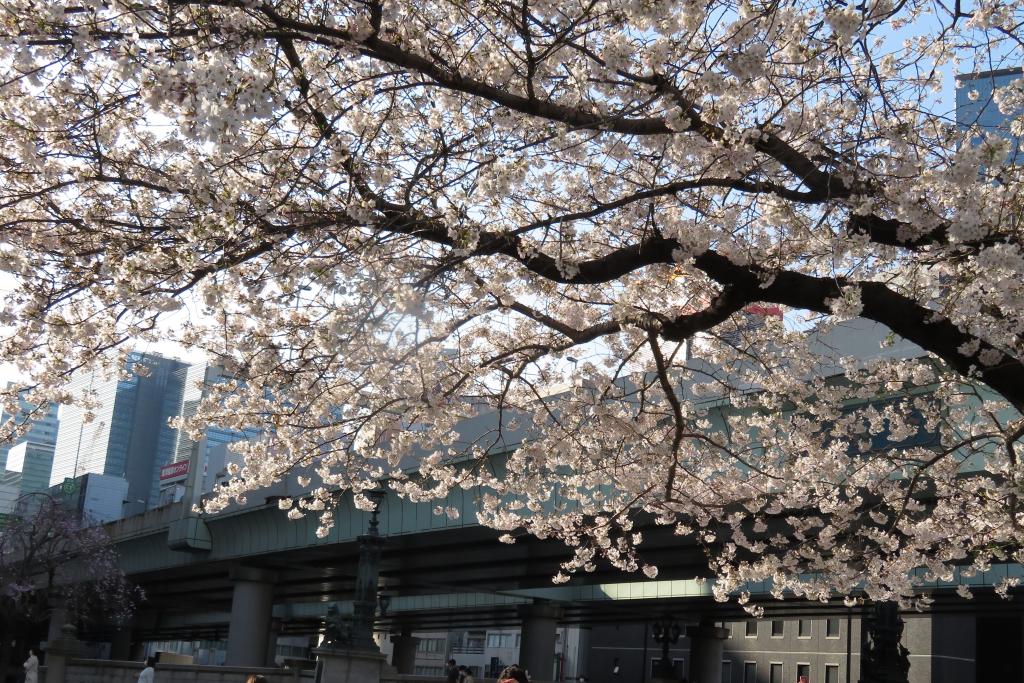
(49,559)
(383,218)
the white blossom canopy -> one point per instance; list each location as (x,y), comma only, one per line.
(396,215)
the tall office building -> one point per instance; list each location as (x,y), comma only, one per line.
(43,429)
(130,436)
(182,453)
(10,491)
(124,437)
(28,464)
(977,105)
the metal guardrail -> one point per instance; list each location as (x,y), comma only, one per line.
(467,650)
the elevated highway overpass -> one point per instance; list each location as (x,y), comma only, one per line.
(437,572)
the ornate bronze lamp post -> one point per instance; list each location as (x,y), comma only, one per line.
(666,632)
(356,632)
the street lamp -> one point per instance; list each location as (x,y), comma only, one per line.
(384,601)
(367,574)
(666,632)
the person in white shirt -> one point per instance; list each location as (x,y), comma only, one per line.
(31,667)
(149,672)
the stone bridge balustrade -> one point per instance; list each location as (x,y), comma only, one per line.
(105,671)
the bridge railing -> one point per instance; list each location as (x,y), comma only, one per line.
(144,523)
(106,671)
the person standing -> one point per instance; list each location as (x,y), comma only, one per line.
(465,675)
(452,672)
(148,674)
(32,668)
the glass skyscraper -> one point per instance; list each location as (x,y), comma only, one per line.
(43,430)
(28,467)
(193,381)
(130,435)
(976,106)
(124,437)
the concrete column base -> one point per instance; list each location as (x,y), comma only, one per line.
(252,609)
(403,654)
(121,644)
(707,643)
(537,645)
(349,666)
(138,653)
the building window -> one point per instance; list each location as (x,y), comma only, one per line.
(804,628)
(751,629)
(777,628)
(501,639)
(831,673)
(750,672)
(431,645)
(803,673)
(775,672)
(726,671)
(832,627)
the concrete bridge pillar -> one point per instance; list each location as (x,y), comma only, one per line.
(252,605)
(537,644)
(138,653)
(707,643)
(403,654)
(121,644)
